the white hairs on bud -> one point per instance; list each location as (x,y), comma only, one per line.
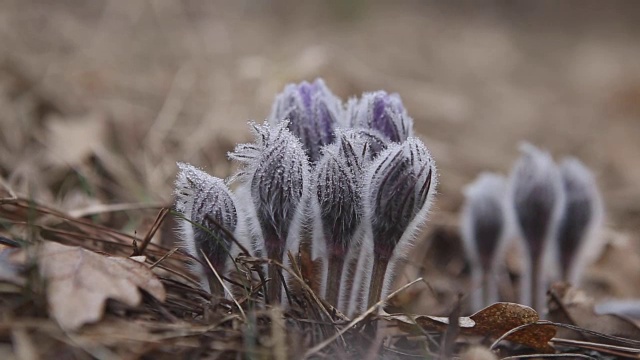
(483,226)
(276,178)
(578,238)
(536,196)
(312,112)
(381,116)
(399,187)
(206,203)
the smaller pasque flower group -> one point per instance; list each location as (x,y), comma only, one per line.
(554,210)
(346,186)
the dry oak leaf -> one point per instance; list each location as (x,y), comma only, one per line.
(493,321)
(80,281)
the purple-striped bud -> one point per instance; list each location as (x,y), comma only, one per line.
(381,116)
(312,111)
(207,205)
(276,173)
(400,182)
(537,200)
(276,170)
(338,185)
(537,197)
(583,214)
(483,218)
(483,225)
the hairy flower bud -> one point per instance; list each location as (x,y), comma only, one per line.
(276,171)
(382,116)
(483,225)
(583,214)
(483,218)
(537,199)
(312,111)
(207,205)
(338,187)
(400,183)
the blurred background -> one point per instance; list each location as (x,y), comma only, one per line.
(99,99)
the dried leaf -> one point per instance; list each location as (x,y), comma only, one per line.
(571,305)
(79,282)
(492,321)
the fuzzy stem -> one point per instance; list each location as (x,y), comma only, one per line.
(348,282)
(215,287)
(377,280)
(334,275)
(486,288)
(274,286)
(536,287)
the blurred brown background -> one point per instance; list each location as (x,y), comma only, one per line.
(99,99)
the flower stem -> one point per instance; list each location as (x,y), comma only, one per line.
(334,275)
(377,280)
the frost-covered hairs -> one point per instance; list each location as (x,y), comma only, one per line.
(483,224)
(382,117)
(338,187)
(537,199)
(206,204)
(483,218)
(399,184)
(276,171)
(583,214)
(312,111)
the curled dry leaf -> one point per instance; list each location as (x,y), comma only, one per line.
(80,281)
(573,306)
(492,321)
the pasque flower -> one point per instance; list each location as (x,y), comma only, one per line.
(353,187)
(337,181)
(582,216)
(207,207)
(312,112)
(400,183)
(276,175)
(381,117)
(537,200)
(484,224)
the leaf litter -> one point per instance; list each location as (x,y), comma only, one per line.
(93,277)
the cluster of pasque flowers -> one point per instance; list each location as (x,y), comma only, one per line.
(555,210)
(345,187)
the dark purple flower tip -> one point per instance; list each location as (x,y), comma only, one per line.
(276,170)
(381,113)
(312,111)
(207,205)
(483,218)
(537,197)
(400,182)
(583,210)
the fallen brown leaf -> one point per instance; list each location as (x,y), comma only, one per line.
(80,281)
(493,321)
(571,305)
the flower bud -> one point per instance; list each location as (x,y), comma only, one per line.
(276,171)
(401,182)
(312,111)
(483,225)
(338,187)
(483,218)
(583,214)
(381,116)
(537,199)
(207,205)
